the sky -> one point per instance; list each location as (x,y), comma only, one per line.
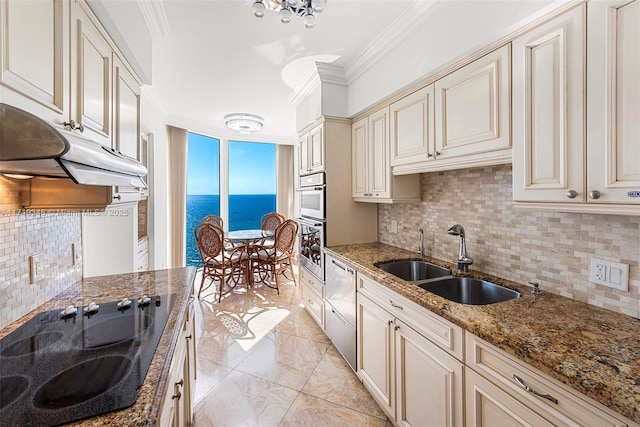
(252,167)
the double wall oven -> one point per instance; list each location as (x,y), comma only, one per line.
(311,239)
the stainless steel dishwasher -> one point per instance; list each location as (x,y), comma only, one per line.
(340,309)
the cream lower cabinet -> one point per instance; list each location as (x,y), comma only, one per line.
(416,382)
(177,405)
(496,396)
(372,180)
(312,295)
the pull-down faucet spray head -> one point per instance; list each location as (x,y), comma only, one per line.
(464,260)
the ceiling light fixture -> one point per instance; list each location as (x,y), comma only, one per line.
(306,9)
(244,123)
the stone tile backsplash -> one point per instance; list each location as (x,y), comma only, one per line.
(23,233)
(517,244)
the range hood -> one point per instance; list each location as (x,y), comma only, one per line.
(30,146)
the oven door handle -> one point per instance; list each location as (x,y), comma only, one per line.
(314,188)
(305,221)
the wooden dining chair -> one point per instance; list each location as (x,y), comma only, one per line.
(220,262)
(275,260)
(213,219)
(269,222)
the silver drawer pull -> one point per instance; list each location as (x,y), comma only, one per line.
(521,383)
(395,305)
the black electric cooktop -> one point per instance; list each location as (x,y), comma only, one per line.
(55,369)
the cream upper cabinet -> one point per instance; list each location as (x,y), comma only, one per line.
(312,150)
(462,120)
(35,32)
(415,381)
(473,109)
(548,111)
(126,115)
(372,180)
(613,102)
(412,137)
(91,90)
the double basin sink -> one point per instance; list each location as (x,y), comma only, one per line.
(438,280)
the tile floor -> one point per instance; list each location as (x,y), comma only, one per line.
(263,361)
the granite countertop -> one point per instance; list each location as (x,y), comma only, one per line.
(105,289)
(593,350)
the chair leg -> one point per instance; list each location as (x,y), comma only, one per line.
(201,283)
(293,276)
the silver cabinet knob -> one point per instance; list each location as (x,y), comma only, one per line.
(572,194)
(438,153)
(429,155)
(595,194)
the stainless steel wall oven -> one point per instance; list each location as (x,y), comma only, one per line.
(311,239)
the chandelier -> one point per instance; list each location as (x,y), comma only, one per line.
(243,123)
(306,9)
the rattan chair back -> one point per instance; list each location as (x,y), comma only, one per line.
(212,219)
(271,221)
(285,236)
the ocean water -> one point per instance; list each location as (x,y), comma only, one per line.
(245,211)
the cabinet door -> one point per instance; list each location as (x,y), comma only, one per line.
(613,103)
(91,74)
(379,173)
(473,107)
(548,111)
(375,352)
(412,131)
(126,109)
(316,148)
(488,406)
(35,32)
(359,158)
(304,153)
(429,383)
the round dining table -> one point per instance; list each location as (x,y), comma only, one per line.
(248,238)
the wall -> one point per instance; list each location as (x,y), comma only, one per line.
(455,30)
(22,234)
(516,244)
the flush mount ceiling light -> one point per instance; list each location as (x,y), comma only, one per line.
(244,123)
(305,9)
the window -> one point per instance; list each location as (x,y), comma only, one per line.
(252,183)
(203,188)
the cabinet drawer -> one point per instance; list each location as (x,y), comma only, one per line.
(501,369)
(312,283)
(313,303)
(443,333)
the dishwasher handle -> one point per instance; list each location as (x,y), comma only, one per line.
(342,267)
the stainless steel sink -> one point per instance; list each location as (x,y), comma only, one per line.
(466,290)
(413,270)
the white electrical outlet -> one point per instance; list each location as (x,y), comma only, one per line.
(394,226)
(76,253)
(36,272)
(608,273)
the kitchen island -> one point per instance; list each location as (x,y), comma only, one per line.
(590,349)
(106,289)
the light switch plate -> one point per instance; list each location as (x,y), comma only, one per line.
(394,226)
(609,273)
(36,271)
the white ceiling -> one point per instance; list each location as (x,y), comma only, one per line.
(214,57)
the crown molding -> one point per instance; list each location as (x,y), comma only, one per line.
(414,16)
(224,133)
(310,83)
(330,73)
(155,18)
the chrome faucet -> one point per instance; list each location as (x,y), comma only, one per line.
(421,249)
(464,260)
